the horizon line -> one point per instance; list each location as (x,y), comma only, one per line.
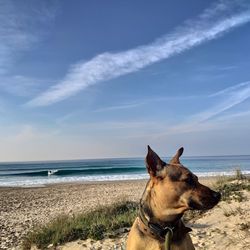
(116,158)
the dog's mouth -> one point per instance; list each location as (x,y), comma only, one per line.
(205,203)
(194,205)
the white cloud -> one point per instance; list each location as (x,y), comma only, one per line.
(121,106)
(121,125)
(145,101)
(206,120)
(209,119)
(21,25)
(234,117)
(21,86)
(212,23)
(228,98)
(128,138)
(217,68)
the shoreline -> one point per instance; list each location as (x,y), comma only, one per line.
(76,183)
(95,182)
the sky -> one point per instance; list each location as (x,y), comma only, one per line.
(100,79)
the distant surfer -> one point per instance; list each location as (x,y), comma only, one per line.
(51,172)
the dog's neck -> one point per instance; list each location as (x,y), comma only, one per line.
(147,216)
(149,203)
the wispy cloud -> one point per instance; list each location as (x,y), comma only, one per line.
(234,116)
(20,27)
(146,101)
(10,34)
(231,90)
(217,68)
(22,86)
(207,120)
(211,24)
(228,98)
(120,125)
(121,106)
(212,119)
(224,100)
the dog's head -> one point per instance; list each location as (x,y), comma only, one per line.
(175,188)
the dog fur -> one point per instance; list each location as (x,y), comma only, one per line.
(171,190)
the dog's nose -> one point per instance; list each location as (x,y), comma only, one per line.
(217,195)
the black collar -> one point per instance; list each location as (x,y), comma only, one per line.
(155,228)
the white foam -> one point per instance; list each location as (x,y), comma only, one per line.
(41,181)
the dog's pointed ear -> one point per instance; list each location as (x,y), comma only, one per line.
(176,158)
(154,163)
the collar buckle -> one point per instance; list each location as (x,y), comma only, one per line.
(160,231)
(169,229)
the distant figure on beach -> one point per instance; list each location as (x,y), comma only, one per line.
(51,172)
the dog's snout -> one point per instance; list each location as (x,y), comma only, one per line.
(217,195)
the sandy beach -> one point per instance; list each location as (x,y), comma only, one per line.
(23,208)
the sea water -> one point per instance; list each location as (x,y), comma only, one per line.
(42,173)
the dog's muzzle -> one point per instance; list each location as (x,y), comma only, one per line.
(206,202)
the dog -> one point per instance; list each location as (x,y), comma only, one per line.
(171,190)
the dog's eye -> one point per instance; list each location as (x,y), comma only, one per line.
(189,180)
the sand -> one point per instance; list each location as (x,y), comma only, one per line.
(22,208)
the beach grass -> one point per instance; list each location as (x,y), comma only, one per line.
(231,188)
(98,224)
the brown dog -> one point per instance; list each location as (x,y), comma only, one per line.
(171,190)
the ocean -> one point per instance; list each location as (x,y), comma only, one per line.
(28,174)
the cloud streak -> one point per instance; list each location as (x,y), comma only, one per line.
(227,99)
(120,107)
(211,24)
(20,27)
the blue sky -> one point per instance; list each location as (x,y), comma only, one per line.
(94,79)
